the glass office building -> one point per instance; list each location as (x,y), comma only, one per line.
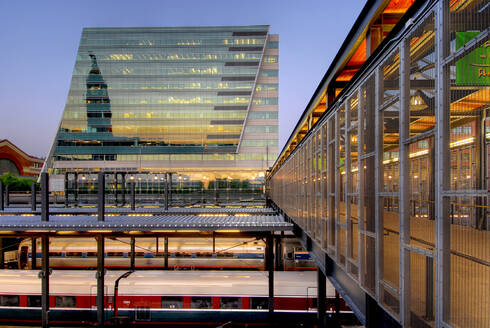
(199,102)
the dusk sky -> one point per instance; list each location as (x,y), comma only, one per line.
(40,39)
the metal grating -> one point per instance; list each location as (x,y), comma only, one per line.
(147,223)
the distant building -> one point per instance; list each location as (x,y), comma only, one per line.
(200,102)
(17,162)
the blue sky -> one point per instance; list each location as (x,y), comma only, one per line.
(39,40)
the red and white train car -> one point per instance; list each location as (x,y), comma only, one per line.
(184,297)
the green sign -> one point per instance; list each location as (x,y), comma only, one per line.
(474,68)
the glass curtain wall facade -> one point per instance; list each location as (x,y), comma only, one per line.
(392,182)
(199,102)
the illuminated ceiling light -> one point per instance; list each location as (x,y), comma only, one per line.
(462,142)
(66,232)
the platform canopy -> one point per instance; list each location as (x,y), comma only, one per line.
(143,224)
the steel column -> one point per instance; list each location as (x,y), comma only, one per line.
(76,188)
(33,254)
(2,255)
(170,188)
(7,196)
(2,203)
(45,281)
(44,197)
(100,280)
(33,196)
(133,196)
(321,297)
(166,192)
(378,173)
(442,172)
(100,196)
(270,268)
(404,188)
(133,250)
(66,189)
(165,245)
(429,288)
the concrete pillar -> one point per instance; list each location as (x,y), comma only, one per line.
(44,197)
(100,281)
(101,196)
(45,282)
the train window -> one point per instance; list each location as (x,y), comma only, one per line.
(230,302)
(34,300)
(201,302)
(139,254)
(65,301)
(91,254)
(9,300)
(204,254)
(142,313)
(73,254)
(54,254)
(225,254)
(259,303)
(172,302)
(115,254)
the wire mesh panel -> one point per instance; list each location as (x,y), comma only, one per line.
(420,166)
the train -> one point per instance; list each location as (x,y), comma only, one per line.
(183,254)
(165,297)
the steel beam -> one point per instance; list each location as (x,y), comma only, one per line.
(321,297)
(101,196)
(33,196)
(100,281)
(45,281)
(44,196)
